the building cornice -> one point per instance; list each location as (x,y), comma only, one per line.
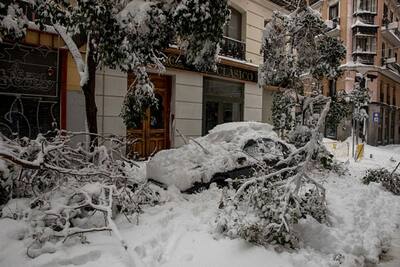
(366,68)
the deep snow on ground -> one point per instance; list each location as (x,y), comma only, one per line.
(181,232)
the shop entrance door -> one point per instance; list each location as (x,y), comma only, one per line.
(152,134)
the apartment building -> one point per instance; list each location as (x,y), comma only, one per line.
(370,31)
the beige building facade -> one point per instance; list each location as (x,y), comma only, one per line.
(192,102)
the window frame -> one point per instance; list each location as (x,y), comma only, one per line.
(364,6)
(337,6)
(221,99)
(369,45)
(227,33)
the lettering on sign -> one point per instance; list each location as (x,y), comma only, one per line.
(177,61)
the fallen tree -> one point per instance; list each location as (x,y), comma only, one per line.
(390,180)
(70,185)
(265,208)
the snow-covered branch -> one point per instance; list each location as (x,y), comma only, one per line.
(76,54)
(89,181)
(264,208)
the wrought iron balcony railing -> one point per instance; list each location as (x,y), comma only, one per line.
(396,67)
(366,58)
(366,18)
(233,48)
(391,31)
(313,1)
(333,23)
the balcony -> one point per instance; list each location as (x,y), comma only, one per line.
(333,26)
(391,32)
(391,64)
(288,4)
(233,48)
(394,67)
(291,4)
(312,2)
(364,57)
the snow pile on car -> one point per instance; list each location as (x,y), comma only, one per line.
(226,147)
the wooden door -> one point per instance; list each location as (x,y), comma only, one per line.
(152,135)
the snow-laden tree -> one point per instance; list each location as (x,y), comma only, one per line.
(13,23)
(130,35)
(360,98)
(298,56)
(265,209)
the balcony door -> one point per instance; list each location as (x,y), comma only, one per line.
(232,45)
(152,133)
(233,29)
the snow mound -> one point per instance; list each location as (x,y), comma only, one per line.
(219,151)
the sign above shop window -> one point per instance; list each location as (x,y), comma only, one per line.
(27,70)
(177,61)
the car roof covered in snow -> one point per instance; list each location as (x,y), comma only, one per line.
(202,157)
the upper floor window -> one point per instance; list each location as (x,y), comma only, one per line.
(334,12)
(364,5)
(385,19)
(364,44)
(233,29)
(394,97)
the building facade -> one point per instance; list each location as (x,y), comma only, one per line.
(191,103)
(370,31)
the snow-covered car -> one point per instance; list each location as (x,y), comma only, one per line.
(230,150)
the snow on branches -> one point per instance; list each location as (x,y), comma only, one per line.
(140,96)
(388,179)
(129,35)
(69,187)
(13,24)
(298,55)
(265,209)
(360,98)
(296,45)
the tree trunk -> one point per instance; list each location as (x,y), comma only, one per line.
(90,100)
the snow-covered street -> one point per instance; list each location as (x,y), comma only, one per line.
(182,232)
(199,133)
